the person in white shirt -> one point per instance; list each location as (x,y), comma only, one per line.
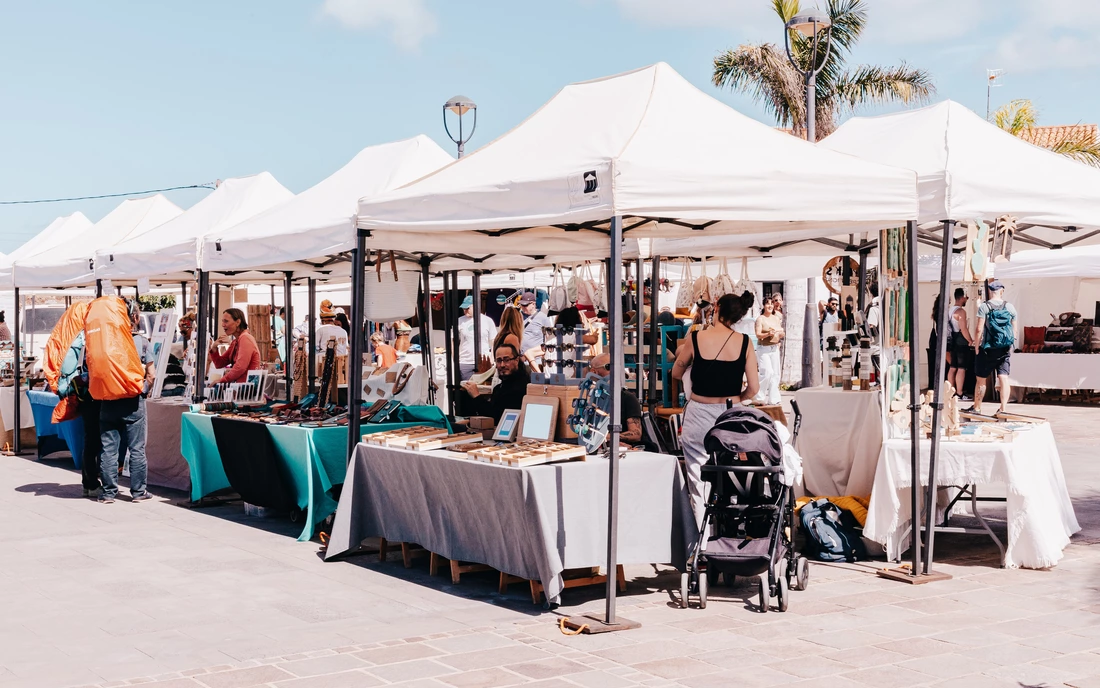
(330,330)
(466,361)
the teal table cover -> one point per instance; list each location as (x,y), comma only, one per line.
(315,458)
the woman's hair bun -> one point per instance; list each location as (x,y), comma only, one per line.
(748,298)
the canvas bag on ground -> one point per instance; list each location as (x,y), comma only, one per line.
(684,292)
(559,295)
(392,294)
(701,290)
(723,283)
(114,369)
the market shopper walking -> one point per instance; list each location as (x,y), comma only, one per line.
(994,338)
(123,419)
(466,361)
(769,334)
(961,343)
(723,370)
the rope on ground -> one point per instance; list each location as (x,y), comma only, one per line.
(580,629)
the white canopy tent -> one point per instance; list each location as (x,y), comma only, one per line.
(968,168)
(57,233)
(71,264)
(171,250)
(650,148)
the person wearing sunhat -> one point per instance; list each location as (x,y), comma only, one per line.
(466,361)
(330,330)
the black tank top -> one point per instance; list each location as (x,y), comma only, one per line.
(715,378)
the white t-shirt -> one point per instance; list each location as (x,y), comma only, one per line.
(326,332)
(466,337)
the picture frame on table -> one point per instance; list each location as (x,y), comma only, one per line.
(508,426)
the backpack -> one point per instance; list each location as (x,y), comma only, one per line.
(998,328)
(827,538)
(73,379)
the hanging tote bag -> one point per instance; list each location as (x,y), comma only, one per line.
(586,294)
(683,293)
(723,283)
(559,295)
(571,285)
(599,290)
(745,284)
(391,295)
(701,290)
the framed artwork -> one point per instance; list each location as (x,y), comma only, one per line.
(164,330)
(508,425)
(539,417)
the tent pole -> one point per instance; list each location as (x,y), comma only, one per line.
(288,371)
(456,368)
(451,386)
(355,340)
(937,395)
(639,321)
(426,326)
(202,320)
(18,366)
(615,344)
(183,297)
(654,334)
(311,355)
(862,303)
(98,288)
(476,293)
(914,397)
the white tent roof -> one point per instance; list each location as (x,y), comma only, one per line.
(173,247)
(645,145)
(320,221)
(929,270)
(70,265)
(968,168)
(57,233)
(1078,261)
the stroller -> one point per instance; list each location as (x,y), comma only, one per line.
(749,511)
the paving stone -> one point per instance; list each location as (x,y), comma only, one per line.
(330,664)
(483,659)
(887,677)
(547,668)
(407,671)
(344,679)
(1003,655)
(242,678)
(483,678)
(810,666)
(397,653)
(918,647)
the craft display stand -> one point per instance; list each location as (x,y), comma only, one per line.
(529,453)
(559,365)
(401,438)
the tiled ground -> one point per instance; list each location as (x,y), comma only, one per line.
(123,594)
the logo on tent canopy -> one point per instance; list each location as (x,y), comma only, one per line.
(584,189)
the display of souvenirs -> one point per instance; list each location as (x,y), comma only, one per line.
(529,453)
(405,436)
(446,442)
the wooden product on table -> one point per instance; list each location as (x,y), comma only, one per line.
(401,438)
(529,453)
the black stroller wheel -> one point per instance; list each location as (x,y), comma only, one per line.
(802,573)
(703,590)
(764,597)
(782,594)
(685,587)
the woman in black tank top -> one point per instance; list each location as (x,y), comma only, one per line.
(723,368)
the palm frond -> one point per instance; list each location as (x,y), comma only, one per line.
(763,72)
(1081,147)
(849,19)
(1016,116)
(872,84)
(786,9)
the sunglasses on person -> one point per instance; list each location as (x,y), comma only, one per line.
(505,359)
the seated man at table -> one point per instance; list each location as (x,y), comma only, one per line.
(506,395)
(630,409)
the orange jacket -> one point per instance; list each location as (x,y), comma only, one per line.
(114,368)
(57,346)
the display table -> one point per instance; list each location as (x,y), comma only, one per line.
(532,522)
(53,437)
(167,467)
(313,460)
(1056,371)
(839,440)
(1040,514)
(7,409)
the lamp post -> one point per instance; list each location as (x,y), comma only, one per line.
(460,105)
(810,25)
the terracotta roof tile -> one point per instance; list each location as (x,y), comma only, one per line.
(1048,136)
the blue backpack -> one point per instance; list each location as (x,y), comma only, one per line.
(998,328)
(74,372)
(827,538)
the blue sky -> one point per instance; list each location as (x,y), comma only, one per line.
(122,95)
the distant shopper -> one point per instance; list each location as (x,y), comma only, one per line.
(5,333)
(769,333)
(829,313)
(243,353)
(466,361)
(533,322)
(961,343)
(384,354)
(994,338)
(331,329)
(123,420)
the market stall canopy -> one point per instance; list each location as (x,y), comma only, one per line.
(71,264)
(173,247)
(320,222)
(649,147)
(970,169)
(57,233)
(1079,261)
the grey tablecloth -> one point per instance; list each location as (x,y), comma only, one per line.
(167,467)
(530,522)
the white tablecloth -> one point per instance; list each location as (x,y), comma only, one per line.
(1040,514)
(1056,371)
(840,440)
(7,408)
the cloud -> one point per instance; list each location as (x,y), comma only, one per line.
(1052,35)
(409,21)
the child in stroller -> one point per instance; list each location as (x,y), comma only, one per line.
(749,514)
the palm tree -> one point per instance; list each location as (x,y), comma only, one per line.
(763,71)
(1020,118)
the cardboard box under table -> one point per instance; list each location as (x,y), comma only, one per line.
(533,522)
(284,465)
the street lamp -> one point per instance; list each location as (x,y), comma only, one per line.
(460,105)
(810,25)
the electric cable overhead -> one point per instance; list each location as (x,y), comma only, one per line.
(207,185)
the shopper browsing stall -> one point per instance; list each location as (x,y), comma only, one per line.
(533,322)
(384,354)
(329,329)
(723,369)
(466,361)
(994,338)
(769,333)
(243,353)
(961,342)
(509,393)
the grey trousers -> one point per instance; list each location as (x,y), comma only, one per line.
(698,419)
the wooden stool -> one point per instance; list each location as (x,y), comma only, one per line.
(410,551)
(457,567)
(571,578)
